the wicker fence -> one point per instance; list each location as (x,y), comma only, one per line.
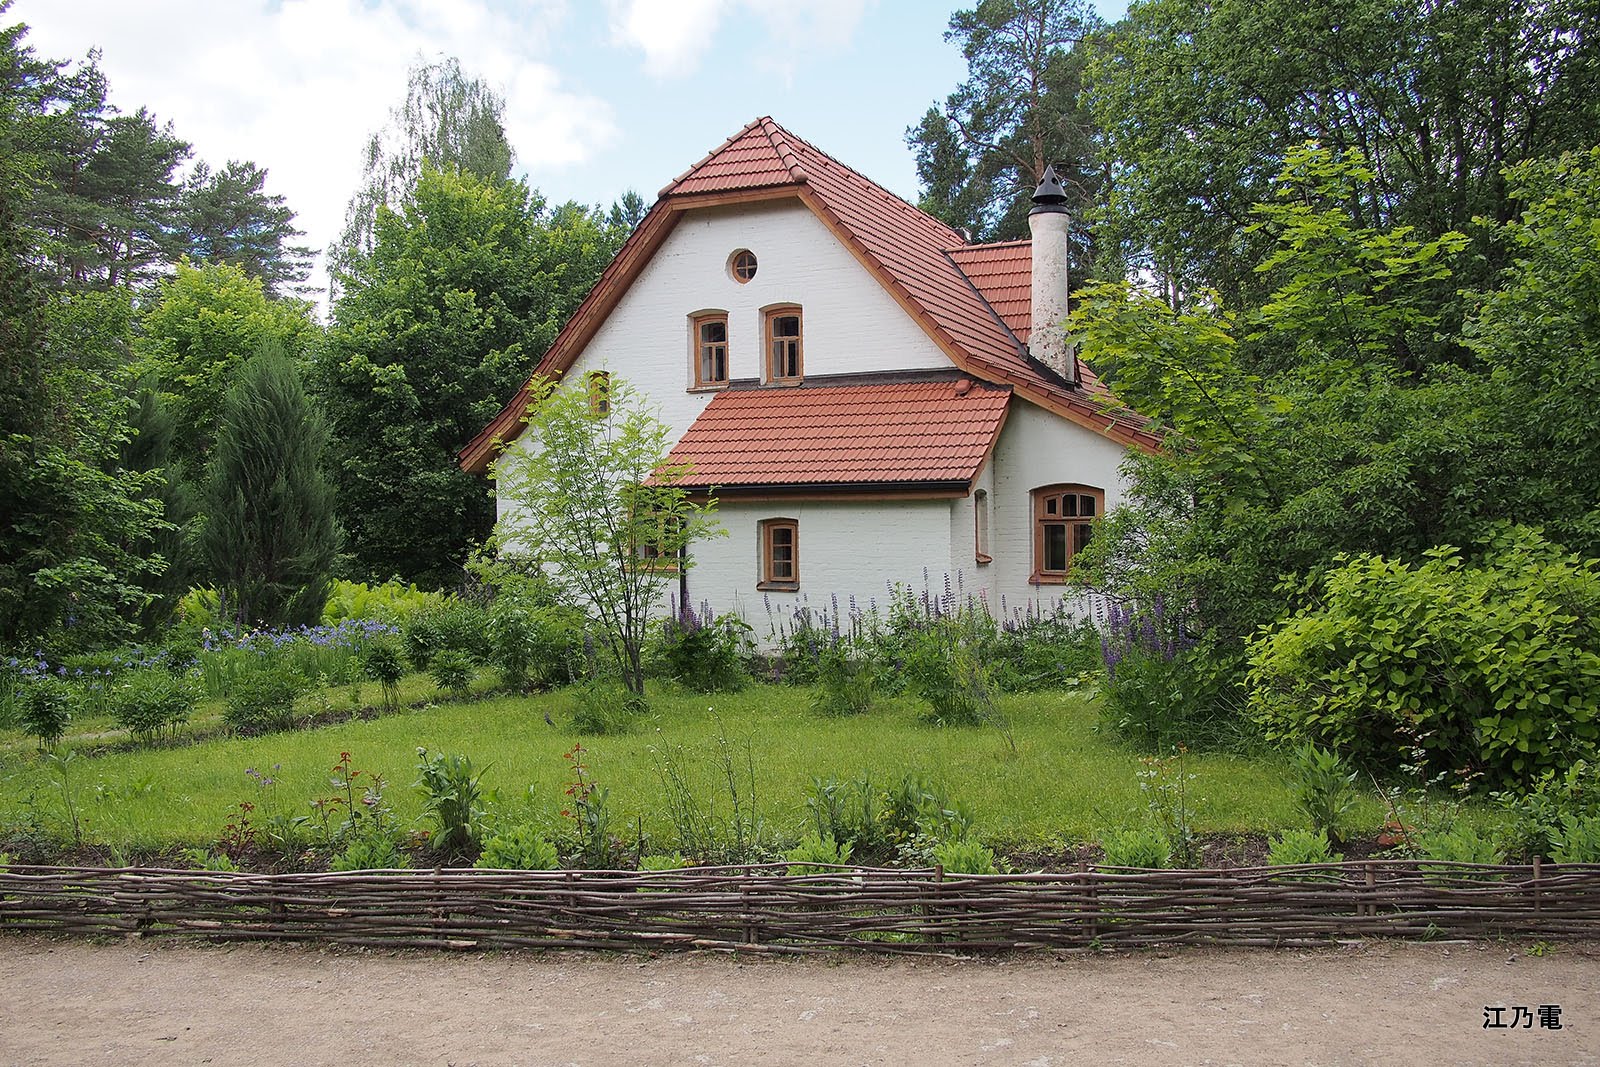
(764,908)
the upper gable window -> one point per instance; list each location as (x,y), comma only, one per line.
(742,265)
(784,363)
(598,383)
(1063,521)
(710,340)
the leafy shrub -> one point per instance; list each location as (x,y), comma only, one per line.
(451,671)
(1033,652)
(390,602)
(1578,840)
(1459,844)
(456,625)
(452,797)
(533,641)
(518,848)
(945,671)
(964,856)
(1159,688)
(663,861)
(149,701)
(1494,665)
(919,815)
(373,852)
(799,642)
(1145,848)
(706,654)
(846,680)
(814,854)
(45,709)
(262,700)
(1293,848)
(205,859)
(848,812)
(1324,789)
(380,661)
(1535,817)
(604,707)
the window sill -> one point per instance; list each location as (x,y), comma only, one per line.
(716,387)
(778,587)
(984,559)
(1047,579)
(784,381)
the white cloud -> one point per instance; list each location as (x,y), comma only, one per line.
(675,34)
(299,85)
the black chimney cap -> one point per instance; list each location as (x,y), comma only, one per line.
(1049,196)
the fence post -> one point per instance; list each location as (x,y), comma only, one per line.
(1091,921)
(1537,873)
(1370,909)
(935,912)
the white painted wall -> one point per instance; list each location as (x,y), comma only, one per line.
(849,323)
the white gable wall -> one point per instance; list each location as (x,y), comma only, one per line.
(850,325)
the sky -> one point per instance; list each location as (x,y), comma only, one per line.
(602,96)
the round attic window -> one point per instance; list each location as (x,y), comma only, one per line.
(742,265)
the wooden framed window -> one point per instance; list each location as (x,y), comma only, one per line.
(598,383)
(780,554)
(655,556)
(710,341)
(980,526)
(1063,521)
(742,265)
(784,358)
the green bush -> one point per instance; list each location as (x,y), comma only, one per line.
(390,602)
(1493,666)
(373,852)
(1534,818)
(847,681)
(1144,848)
(45,709)
(815,855)
(604,707)
(1459,844)
(849,812)
(945,669)
(380,661)
(451,671)
(1293,848)
(1578,840)
(1324,789)
(1044,652)
(451,795)
(533,643)
(663,861)
(964,856)
(147,702)
(455,624)
(518,848)
(706,654)
(261,700)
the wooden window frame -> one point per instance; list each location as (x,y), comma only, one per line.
(697,350)
(650,555)
(980,527)
(734,265)
(769,319)
(598,383)
(1074,540)
(768,579)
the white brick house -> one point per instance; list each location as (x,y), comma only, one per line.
(862,389)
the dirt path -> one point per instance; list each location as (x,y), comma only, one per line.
(66,1002)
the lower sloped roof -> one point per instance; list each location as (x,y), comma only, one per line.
(893,433)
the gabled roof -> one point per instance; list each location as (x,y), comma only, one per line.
(1003,275)
(891,434)
(913,255)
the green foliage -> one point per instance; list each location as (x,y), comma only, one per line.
(1578,840)
(1143,848)
(672,861)
(603,707)
(590,814)
(518,848)
(945,668)
(261,698)
(708,655)
(45,709)
(1459,844)
(534,643)
(454,624)
(380,661)
(1492,668)
(467,280)
(1534,817)
(964,856)
(851,813)
(919,815)
(1293,848)
(1324,790)
(146,702)
(1167,784)
(452,672)
(817,855)
(226,216)
(270,538)
(392,602)
(373,852)
(589,496)
(847,680)
(453,798)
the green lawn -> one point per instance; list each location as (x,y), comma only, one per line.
(1066,782)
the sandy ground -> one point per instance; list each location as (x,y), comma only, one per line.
(68,1002)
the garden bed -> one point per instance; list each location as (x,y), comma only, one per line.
(764,908)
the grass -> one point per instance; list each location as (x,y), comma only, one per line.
(1066,782)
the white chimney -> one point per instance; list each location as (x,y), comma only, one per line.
(1049,222)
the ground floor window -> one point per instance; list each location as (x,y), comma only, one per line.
(780,554)
(1063,521)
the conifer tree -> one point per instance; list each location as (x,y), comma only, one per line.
(270,538)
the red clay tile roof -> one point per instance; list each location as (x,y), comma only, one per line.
(913,255)
(1003,273)
(867,435)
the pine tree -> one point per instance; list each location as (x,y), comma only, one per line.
(270,538)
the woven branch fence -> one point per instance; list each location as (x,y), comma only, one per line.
(764,908)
